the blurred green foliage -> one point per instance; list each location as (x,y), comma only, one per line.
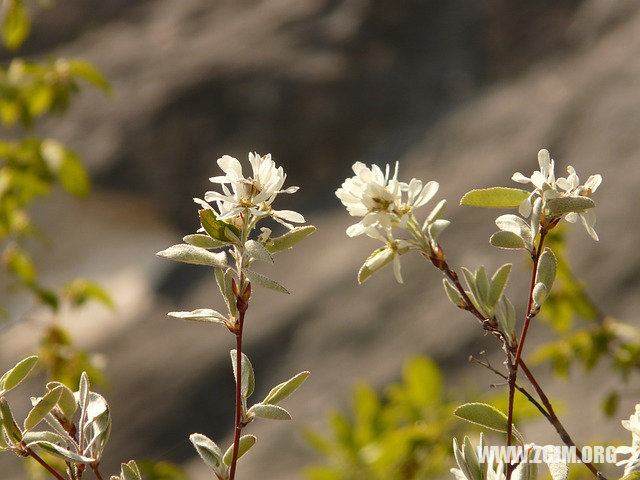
(404,434)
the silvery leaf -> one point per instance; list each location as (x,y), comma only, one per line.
(246,442)
(285,389)
(258,279)
(257,251)
(194,255)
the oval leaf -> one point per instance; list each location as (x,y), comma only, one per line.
(42,408)
(484,415)
(61,452)
(508,240)
(257,251)
(203,241)
(246,442)
(224,281)
(217,229)
(562,205)
(273,412)
(498,284)
(262,281)
(248,377)
(496,197)
(285,389)
(547,265)
(17,374)
(208,451)
(289,239)
(194,255)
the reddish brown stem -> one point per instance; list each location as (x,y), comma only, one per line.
(46,466)
(553,419)
(513,366)
(94,467)
(242,308)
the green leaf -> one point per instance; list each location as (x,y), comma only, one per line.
(547,265)
(205,315)
(209,452)
(194,255)
(246,442)
(257,251)
(248,377)
(289,239)
(482,284)
(498,284)
(217,228)
(471,459)
(17,374)
(453,294)
(20,264)
(272,412)
(507,240)
(42,408)
(484,415)
(10,425)
(285,389)
(67,401)
(130,471)
(611,403)
(45,436)
(223,279)
(81,290)
(86,71)
(258,279)
(17,24)
(562,205)
(73,176)
(496,197)
(61,452)
(203,241)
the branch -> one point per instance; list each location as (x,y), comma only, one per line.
(39,459)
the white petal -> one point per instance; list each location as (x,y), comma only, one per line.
(356,229)
(520,178)
(571,217)
(589,220)
(396,268)
(538,179)
(288,215)
(231,166)
(593,182)
(427,193)
(544,160)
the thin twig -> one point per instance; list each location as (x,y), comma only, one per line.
(521,389)
(242,308)
(94,467)
(555,421)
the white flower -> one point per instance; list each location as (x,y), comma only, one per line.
(633,425)
(372,195)
(548,187)
(377,198)
(255,193)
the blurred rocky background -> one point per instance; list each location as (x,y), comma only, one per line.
(463,92)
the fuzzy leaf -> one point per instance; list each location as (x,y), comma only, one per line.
(289,239)
(248,377)
(217,229)
(209,452)
(258,279)
(273,412)
(10,425)
(547,265)
(562,205)
(42,408)
(130,471)
(285,389)
(194,255)
(205,315)
(257,251)
(496,197)
(203,241)
(377,260)
(61,452)
(539,293)
(453,294)
(508,240)
(498,284)
(17,374)
(223,279)
(246,442)
(45,436)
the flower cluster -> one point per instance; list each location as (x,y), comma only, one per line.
(631,464)
(383,203)
(547,187)
(255,193)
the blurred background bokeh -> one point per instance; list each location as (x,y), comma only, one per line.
(462,92)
